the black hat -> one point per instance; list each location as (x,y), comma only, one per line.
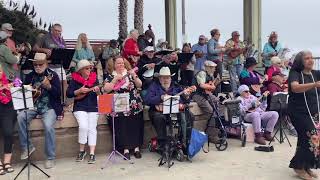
(250,61)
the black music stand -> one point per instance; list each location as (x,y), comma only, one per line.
(169,148)
(279,103)
(62,57)
(25,62)
(184,58)
(25,108)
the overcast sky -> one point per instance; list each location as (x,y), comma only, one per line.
(297,22)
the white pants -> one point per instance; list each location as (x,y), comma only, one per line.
(87,127)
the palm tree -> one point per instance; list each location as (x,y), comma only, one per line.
(123,24)
(138,15)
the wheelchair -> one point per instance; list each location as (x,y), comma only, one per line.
(173,146)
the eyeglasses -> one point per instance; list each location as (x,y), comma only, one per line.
(246,91)
(88,68)
(35,65)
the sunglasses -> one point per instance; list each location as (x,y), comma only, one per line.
(246,91)
(35,65)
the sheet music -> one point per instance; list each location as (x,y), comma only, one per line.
(17,97)
(282,53)
(175,104)
(121,102)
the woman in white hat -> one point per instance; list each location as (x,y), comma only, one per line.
(128,125)
(84,89)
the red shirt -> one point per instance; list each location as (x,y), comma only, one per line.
(130,48)
(271,70)
(274,87)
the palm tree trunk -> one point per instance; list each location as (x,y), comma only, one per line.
(138,15)
(123,24)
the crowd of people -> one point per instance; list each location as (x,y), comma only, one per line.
(161,71)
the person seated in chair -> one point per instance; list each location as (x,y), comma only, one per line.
(278,84)
(206,84)
(252,78)
(254,111)
(47,104)
(155,97)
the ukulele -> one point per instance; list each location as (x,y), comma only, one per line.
(235,52)
(37,90)
(83,95)
(215,82)
(188,89)
(121,82)
(258,100)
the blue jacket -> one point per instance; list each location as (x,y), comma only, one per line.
(88,103)
(213,51)
(155,91)
(267,50)
(54,92)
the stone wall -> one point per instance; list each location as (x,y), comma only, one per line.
(67,135)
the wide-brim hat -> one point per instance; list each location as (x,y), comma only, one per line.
(82,64)
(250,61)
(164,71)
(39,57)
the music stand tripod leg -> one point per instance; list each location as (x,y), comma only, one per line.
(114,153)
(29,162)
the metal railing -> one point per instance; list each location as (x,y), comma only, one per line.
(316,63)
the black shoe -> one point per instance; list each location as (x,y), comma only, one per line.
(264,148)
(81,156)
(92,159)
(137,154)
(126,155)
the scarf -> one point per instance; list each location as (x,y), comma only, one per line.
(89,82)
(58,41)
(5,94)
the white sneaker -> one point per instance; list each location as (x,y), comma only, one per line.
(48,164)
(24,154)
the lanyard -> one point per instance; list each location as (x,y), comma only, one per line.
(305,99)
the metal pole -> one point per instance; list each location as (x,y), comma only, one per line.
(183,7)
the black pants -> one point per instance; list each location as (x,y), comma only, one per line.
(160,121)
(186,77)
(8,118)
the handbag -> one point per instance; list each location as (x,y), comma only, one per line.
(198,139)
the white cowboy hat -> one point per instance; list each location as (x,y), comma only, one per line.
(165,71)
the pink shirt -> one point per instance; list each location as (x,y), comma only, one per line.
(11,45)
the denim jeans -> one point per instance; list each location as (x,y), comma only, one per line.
(48,120)
(234,72)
